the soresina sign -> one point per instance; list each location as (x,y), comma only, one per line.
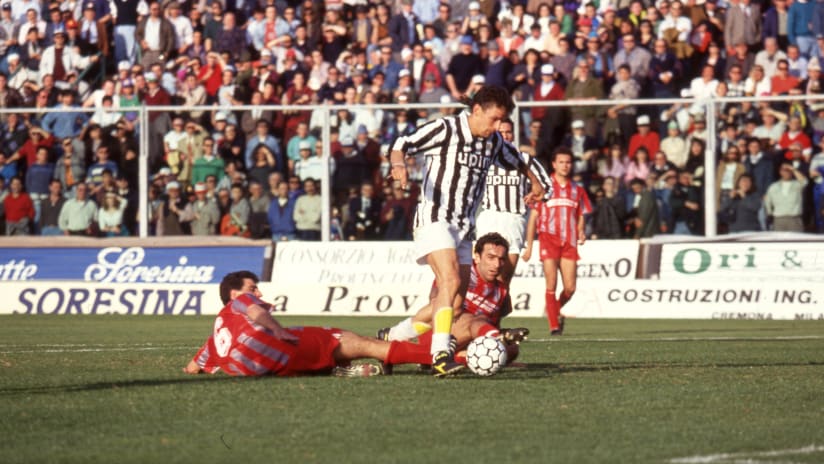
(744,261)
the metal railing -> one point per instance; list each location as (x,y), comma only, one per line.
(710,210)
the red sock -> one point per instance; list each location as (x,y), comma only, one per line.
(460,357)
(488,330)
(565,298)
(408,353)
(553,309)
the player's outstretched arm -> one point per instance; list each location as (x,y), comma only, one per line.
(530,233)
(192,368)
(261,316)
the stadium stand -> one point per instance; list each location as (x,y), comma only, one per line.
(220,171)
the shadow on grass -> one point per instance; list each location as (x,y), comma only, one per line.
(116,384)
(543,370)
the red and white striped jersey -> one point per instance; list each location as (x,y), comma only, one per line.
(239,346)
(484,298)
(559,215)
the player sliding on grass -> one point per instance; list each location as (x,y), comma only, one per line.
(458,152)
(560,225)
(483,306)
(247,340)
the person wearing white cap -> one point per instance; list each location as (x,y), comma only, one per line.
(645,137)
(18,74)
(546,90)
(583,147)
(171,212)
(202,214)
(474,19)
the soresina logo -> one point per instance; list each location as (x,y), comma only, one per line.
(698,260)
(120,265)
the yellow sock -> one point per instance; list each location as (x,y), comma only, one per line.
(421,327)
(441,329)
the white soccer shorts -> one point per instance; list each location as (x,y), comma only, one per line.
(510,226)
(441,236)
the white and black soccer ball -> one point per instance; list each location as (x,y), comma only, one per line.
(485,356)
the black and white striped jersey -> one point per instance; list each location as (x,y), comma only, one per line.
(505,189)
(455,169)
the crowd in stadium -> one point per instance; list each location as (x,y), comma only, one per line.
(257,173)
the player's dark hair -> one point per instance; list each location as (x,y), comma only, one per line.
(492,238)
(493,95)
(234,281)
(562,150)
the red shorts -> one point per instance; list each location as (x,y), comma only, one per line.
(552,248)
(315,351)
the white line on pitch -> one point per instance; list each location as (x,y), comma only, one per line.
(679,339)
(101,350)
(720,458)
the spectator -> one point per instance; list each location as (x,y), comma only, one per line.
(281,214)
(202,213)
(462,67)
(637,58)
(742,25)
(309,166)
(110,216)
(130,196)
(644,220)
(38,138)
(307,213)
(608,214)
(125,18)
(70,168)
(795,134)
(236,221)
(78,215)
(171,211)
(674,146)
(264,164)
(584,148)
(760,166)
(799,26)
(8,169)
(50,210)
(231,146)
(585,87)
(250,118)
(262,136)
(156,36)
(259,207)
(685,205)
(744,206)
(784,199)
(638,166)
(396,214)
(94,175)
(38,177)
(403,27)
(364,215)
(646,138)
(660,165)
(301,135)
(727,174)
(19,209)
(621,117)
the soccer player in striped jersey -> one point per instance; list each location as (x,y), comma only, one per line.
(458,152)
(247,340)
(560,225)
(503,209)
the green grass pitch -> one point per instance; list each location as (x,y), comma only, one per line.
(109,389)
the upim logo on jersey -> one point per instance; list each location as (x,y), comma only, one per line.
(115,264)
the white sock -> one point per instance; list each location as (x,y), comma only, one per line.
(440,342)
(403,331)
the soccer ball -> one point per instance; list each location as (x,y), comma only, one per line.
(485,356)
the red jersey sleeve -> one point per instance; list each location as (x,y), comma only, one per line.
(205,358)
(584,205)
